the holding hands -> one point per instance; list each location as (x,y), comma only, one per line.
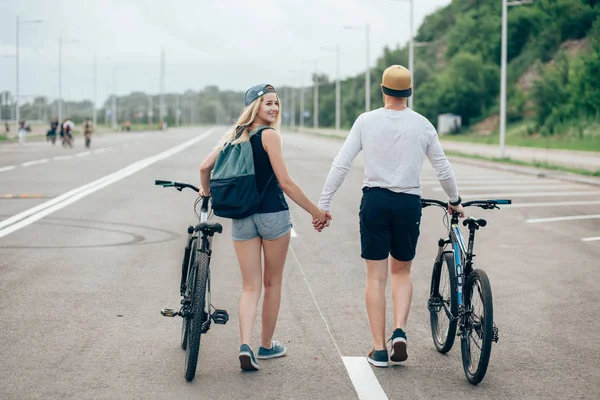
(321,219)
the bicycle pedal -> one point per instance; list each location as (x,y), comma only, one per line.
(495,334)
(220,317)
(168,312)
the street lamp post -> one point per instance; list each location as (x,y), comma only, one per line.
(337,83)
(316,96)
(368,70)
(505,5)
(19,22)
(411,48)
(60,44)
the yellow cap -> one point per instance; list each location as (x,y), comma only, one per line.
(396,81)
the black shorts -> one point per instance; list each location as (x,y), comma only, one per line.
(389,224)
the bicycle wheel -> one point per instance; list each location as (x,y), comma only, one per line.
(185,322)
(476,338)
(198,315)
(443,303)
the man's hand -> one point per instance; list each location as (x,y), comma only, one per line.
(321,220)
(459,209)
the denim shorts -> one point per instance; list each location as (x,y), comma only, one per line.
(269,226)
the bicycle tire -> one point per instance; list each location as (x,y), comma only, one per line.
(198,314)
(483,328)
(443,342)
(185,323)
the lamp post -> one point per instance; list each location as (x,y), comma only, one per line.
(505,5)
(19,22)
(336,49)
(60,100)
(368,70)
(411,48)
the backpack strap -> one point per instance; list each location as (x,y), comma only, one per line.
(258,131)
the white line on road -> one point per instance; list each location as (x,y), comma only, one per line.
(38,212)
(363,378)
(511,187)
(7,168)
(83,154)
(59,158)
(569,218)
(35,162)
(492,181)
(534,194)
(554,204)
(98,151)
(294,234)
(591,239)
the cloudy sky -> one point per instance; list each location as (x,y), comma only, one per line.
(229,43)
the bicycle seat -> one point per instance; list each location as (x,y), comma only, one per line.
(206,227)
(475,223)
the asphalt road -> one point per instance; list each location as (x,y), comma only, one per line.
(82,281)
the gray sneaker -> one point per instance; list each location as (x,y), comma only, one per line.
(378,358)
(247,360)
(398,339)
(276,350)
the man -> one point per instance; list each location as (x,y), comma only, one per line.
(395,141)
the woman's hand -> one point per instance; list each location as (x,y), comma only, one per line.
(202,193)
(321,219)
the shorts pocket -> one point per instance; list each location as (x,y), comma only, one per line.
(268,220)
(238,224)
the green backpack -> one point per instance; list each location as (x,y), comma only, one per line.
(233,182)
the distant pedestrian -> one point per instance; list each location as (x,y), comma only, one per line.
(22,132)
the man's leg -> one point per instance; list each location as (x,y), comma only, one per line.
(377,271)
(402,288)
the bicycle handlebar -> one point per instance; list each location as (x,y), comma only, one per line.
(182,185)
(485,204)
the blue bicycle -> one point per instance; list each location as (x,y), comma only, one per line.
(460,299)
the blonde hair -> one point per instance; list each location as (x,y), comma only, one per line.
(240,131)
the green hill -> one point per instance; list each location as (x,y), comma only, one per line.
(553,71)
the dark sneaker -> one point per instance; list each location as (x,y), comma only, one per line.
(247,360)
(276,350)
(378,358)
(398,346)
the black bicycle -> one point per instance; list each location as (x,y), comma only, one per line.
(461,298)
(196,308)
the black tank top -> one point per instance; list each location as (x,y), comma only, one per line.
(273,199)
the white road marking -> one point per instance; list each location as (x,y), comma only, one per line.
(533,194)
(591,239)
(7,168)
(569,218)
(363,378)
(59,158)
(98,151)
(553,204)
(511,187)
(491,181)
(294,234)
(35,162)
(38,212)
(83,154)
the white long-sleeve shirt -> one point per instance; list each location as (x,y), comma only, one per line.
(394,144)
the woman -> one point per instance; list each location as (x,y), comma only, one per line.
(268,230)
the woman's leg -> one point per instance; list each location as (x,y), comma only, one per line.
(377,272)
(248,255)
(275,254)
